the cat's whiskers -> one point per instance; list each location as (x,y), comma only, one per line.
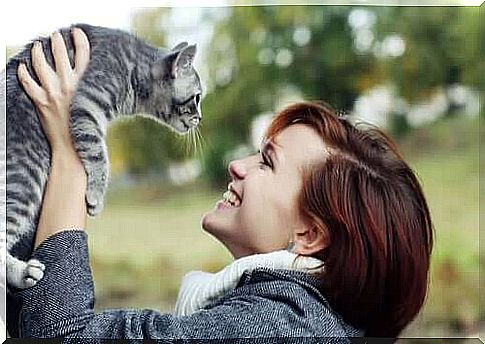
(194,141)
(199,140)
(194,133)
(203,143)
(187,142)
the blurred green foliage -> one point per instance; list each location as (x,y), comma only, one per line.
(443,46)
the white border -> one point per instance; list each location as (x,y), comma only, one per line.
(15,12)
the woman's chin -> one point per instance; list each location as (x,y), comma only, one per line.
(221,213)
(212,221)
(216,224)
(206,221)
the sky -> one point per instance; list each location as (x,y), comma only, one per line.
(24,20)
(39,19)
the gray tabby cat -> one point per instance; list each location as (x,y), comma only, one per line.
(125,76)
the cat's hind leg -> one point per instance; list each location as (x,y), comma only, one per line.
(22,274)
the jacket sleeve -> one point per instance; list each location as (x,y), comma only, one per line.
(63,300)
(61,303)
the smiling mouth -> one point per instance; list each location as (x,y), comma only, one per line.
(231,198)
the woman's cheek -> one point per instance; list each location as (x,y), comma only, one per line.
(247,233)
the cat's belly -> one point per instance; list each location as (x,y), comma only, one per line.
(26,180)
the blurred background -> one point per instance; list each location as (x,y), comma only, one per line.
(413,71)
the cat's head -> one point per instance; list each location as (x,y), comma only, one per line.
(176,90)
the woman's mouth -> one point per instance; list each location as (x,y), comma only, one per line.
(230,199)
(222,204)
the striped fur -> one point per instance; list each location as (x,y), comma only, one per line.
(125,76)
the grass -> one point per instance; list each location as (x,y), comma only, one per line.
(149,237)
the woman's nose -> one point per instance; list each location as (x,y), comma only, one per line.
(237,170)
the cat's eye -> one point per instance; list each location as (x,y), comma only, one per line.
(197,98)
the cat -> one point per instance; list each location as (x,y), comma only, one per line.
(125,76)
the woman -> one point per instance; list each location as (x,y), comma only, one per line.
(331,192)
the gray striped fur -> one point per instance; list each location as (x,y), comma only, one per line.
(125,76)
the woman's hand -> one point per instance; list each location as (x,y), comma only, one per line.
(53,97)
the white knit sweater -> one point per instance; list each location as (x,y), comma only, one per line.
(200,288)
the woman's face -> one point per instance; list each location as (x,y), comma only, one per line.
(264,215)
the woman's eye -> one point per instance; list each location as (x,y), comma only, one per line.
(264,162)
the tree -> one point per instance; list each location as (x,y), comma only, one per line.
(442,47)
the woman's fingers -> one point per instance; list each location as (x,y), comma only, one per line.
(55,90)
(42,69)
(35,92)
(81,44)
(59,51)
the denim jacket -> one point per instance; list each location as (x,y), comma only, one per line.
(267,304)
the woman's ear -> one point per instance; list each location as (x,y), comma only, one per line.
(310,240)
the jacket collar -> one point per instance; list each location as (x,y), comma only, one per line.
(311,282)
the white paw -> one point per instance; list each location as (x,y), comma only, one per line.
(33,273)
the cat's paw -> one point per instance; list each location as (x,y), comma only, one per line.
(94,202)
(32,273)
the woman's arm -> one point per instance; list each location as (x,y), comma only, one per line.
(64,205)
(62,305)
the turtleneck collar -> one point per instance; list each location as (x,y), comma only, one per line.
(200,289)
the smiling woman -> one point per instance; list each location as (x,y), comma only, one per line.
(342,201)
(342,195)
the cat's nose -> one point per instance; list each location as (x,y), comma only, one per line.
(195,120)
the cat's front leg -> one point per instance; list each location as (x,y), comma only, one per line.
(97,173)
(91,147)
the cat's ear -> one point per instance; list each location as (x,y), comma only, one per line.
(180,46)
(182,61)
(175,62)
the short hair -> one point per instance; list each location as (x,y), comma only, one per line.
(371,207)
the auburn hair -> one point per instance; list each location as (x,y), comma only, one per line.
(371,207)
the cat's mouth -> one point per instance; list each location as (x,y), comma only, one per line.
(183,125)
(179,125)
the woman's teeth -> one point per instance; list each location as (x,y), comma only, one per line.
(231,198)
